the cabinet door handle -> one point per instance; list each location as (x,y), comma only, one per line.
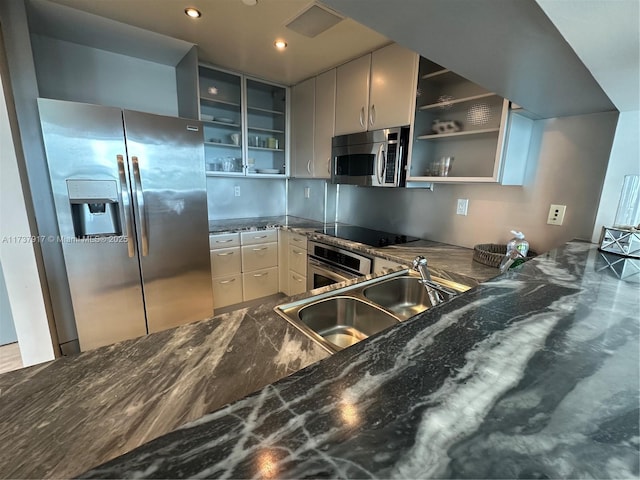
(259,249)
(260,236)
(225,241)
(296,239)
(297,253)
(309,166)
(299,280)
(260,274)
(329,165)
(224,282)
(224,254)
(372,115)
(362,117)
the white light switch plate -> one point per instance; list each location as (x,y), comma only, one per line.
(463,206)
(556,214)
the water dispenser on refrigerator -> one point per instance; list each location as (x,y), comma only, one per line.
(94,208)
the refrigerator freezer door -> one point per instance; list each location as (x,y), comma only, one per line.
(166,158)
(84,144)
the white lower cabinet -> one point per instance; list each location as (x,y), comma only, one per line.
(225,261)
(227,290)
(260,283)
(255,257)
(297,283)
(297,253)
(259,263)
(226,269)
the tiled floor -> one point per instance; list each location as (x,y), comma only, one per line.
(10,358)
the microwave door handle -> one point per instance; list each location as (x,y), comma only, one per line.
(400,163)
(381,164)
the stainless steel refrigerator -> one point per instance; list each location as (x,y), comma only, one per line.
(131,203)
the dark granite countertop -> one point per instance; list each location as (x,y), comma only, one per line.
(66,416)
(534,374)
(450,262)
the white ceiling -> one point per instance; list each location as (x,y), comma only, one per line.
(239,37)
(605,34)
(509,47)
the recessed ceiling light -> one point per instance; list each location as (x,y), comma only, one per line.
(192,12)
(280,44)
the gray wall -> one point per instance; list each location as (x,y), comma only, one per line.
(258,197)
(68,71)
(312,207)
(625,160)
(571,165)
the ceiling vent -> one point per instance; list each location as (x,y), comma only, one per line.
(313,21)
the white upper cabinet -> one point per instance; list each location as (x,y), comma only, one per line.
(313,118)
(394,71)
(352,95)
(245,124)
(303,126)
(324,123)
(376,91)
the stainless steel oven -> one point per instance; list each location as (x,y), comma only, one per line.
(328,264)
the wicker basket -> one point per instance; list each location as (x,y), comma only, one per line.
(491,254)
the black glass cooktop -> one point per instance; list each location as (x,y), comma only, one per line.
(374,238)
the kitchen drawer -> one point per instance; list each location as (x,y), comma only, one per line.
(259,256)
(225,261)
(297,283)
(258,236)
(298,260)
(227,290)
(298,240)
(260,283)
(223,240)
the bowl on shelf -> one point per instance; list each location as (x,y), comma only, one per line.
(224,119)
(268,170)
(204,116)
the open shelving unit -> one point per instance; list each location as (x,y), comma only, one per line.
(474,119)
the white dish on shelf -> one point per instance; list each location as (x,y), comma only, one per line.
(223,120)
(267,170)
(204,116)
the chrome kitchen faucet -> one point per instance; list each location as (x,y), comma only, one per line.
(436,292)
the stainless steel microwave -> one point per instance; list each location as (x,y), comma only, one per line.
(371,159)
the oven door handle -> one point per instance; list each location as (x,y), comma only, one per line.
(337,271)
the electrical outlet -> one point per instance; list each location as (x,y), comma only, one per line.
(463,206)
(307,192)
(556,214)
(236,191)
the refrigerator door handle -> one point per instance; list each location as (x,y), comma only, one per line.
(140,201)
(126,206)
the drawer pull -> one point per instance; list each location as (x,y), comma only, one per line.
(296,239)
(225,241)
(260,274)
(299,280)
(259,249)
(260,236)
(224,254)
(224,282)
(298,253)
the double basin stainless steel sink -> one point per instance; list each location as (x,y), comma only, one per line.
(343,317)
